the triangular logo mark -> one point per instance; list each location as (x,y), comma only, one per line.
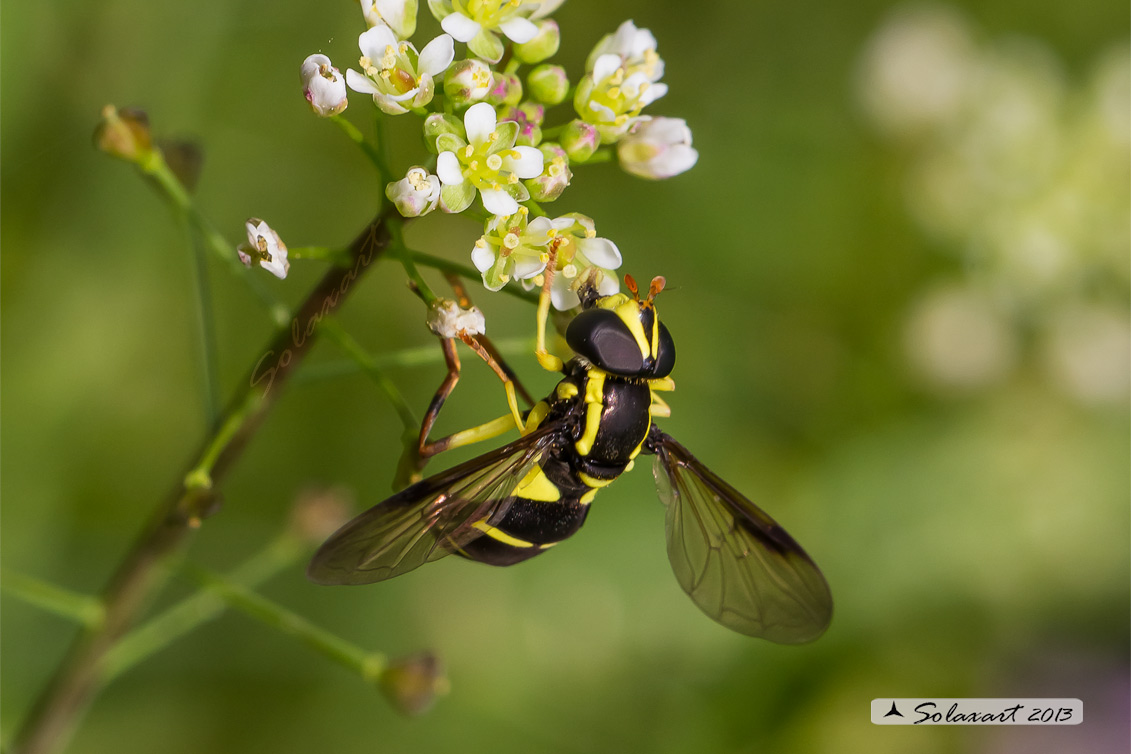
(894,711)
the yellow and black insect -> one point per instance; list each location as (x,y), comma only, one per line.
(508,505)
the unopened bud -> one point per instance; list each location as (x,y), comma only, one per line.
(544,45)
(548,84)
(506,89)
(124,134)
(467,81)
(437,124)
(580,140)
(411,684)
(529,117)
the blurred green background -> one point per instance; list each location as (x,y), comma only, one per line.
(888,375)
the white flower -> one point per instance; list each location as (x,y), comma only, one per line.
(634,47)
(448,320)
(657,148)
(512,248)
(488,161)
(579,257)
(416,194)
(396,75)
(400,15)
(323,86)
(623,78)
(264,246)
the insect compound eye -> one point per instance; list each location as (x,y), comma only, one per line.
(602,337)
(665,354)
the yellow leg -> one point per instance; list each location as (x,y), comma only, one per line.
(548,361)
(659,406)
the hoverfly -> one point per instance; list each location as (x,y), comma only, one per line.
(508,505)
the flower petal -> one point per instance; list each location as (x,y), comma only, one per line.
(498,202)
(460,26)
(479,121)
(527,164)
(448,169)
(600,251)
(373,42)
(653,93)
(483,256)
(360,83)
(437,55)
(399,14)
(526,267)
(605,66)
(546,8)
(518,29)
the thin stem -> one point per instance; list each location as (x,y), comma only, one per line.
(455,268)
(209,351)
(335,332)
(203,606)
(321,253)
(406,258)
(56,712)
(408,357)
(74,606)
(358,138)
(369,665)
(156,168)
(604,154)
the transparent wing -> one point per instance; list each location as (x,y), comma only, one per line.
(430,519)
(734,561)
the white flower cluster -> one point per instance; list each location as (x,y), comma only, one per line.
(488,128)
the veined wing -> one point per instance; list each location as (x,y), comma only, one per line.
(430,519)
(733,560)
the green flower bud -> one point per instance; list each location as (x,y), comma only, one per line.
(506,89)
(544,45)
(124,134)
(555,176)
(580,140)
(467,81)
(548,84)
(438,124)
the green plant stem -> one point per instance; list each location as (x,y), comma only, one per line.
(321,253)
(55,713)
(358,138)
(81,608)
(455,268)
(335,332)
(203,606)
(369,665)
(604,154)
(406,258)
(158,170)
(209,351)
(408,357)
